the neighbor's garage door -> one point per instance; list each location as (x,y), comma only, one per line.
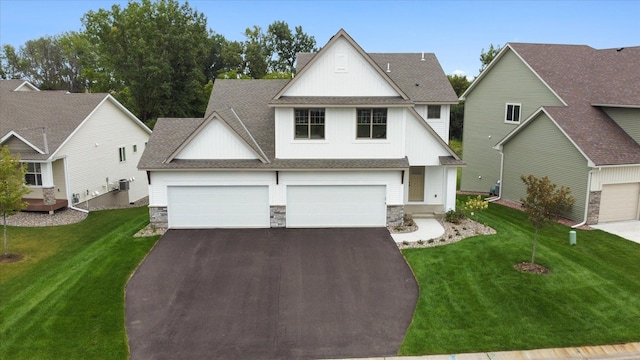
(336,206)
(619,202)
(218,206)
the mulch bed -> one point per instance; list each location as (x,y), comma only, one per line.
(531,268)
(10,258)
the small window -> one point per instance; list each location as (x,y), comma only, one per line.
(33,175)
(309,123)
(135,148)
(512,113)
(433,112)
(123,154)
(371,123)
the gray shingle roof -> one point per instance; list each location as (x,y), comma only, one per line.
(407,70)
(26,113)
(251,103)
(584,77)
(10,85)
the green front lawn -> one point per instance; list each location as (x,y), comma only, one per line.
(473,300)
(65,299)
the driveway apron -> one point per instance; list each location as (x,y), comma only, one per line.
(270,294)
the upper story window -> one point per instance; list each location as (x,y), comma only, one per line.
(371,123)
(123,154)
(512,114)
(309,123)
(433,112)
(33,175)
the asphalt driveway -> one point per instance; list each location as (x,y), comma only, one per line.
(270,294)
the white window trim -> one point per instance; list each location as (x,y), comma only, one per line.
(506,111)
(426,115)
(36,173)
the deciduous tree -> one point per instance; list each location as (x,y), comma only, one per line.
(156,52)
(12,188)
(488,56)
(544,202)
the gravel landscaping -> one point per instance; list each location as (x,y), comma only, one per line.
(452,233)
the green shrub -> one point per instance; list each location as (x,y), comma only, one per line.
(455,216)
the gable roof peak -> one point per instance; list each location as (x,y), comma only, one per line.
(342,34)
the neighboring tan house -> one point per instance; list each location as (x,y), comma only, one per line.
(79,148)
(354,140)
(569,112)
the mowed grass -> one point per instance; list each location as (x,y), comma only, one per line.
(473,300)
(65,299)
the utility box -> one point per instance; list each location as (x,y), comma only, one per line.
(124,184)
(572,237)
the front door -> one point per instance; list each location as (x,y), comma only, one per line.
(416,183)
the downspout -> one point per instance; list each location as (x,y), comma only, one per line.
(500,180)
(586,202)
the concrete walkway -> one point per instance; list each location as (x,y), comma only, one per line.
(629,230)
(629,351)
(427,229)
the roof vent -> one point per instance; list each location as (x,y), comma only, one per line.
(388,67)
(619,49)
(422,59)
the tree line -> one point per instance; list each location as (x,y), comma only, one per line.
(158,58)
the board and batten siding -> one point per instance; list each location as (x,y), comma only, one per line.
(217,141)
(541,149)
(508,81)
(341,71)
(441,125)
(627,119)
(340,140)
(93,156)
(614,175)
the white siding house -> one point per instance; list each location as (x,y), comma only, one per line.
(79,147)
(340,145)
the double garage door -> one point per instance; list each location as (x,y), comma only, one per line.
(248,206)
(619,202)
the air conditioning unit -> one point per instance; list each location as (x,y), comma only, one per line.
(124,185)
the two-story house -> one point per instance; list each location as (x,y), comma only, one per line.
(81,150)
(354,140)
(569,112)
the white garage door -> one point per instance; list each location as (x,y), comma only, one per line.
(218,206)
(336,206)
(619,202)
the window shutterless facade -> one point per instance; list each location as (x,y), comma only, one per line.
(33,175)
(512,113)
(371,123)
(309,123)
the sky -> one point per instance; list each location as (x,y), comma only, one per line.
(456,31)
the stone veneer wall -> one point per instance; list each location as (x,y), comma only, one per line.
(278,216)
(593,212)
(158,216)
(395,215)
(49,196)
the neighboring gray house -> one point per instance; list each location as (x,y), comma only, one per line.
(355,140)
(79,148)
(569,112)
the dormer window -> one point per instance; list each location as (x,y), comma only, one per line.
(372,123)
(309,123)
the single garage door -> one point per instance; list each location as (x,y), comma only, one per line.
(218,206)
(336,206)
(619,202)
